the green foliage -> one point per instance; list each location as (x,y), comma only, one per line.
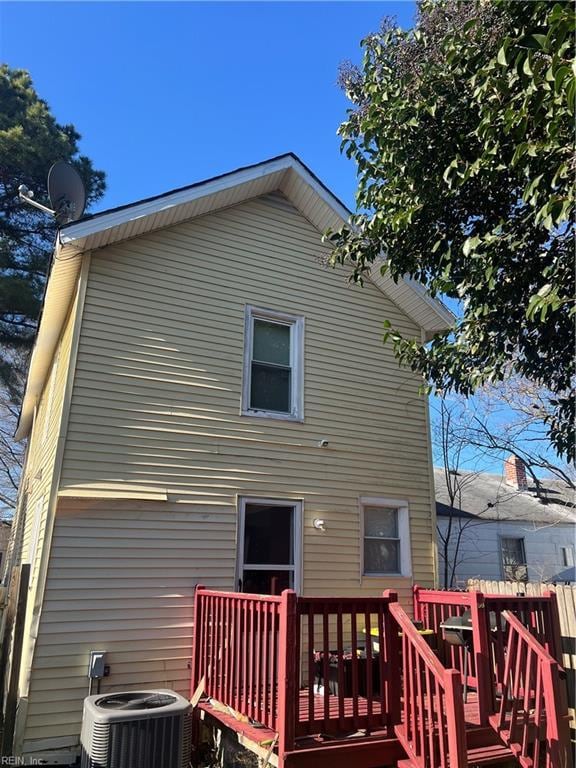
(462,131)
(30,141)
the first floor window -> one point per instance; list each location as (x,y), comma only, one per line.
(386,537)
(514,566)
(273,364)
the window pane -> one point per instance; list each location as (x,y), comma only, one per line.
(381,556)
(270,388)
(268,535)
(568,556)
(271,343)
(381,521)
(514,560)
(513,551)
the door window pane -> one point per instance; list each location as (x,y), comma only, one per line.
(271,343)
(268,582)
(268,535)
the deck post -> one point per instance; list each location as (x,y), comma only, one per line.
(195,676)
(557,726)
(393,663)
(417,607)
(482,656)
(287,674)
(554,616)
(455,720)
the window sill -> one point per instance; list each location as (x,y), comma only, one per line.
(386,575)
(273,415)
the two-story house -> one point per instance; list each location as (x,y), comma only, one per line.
(209,401)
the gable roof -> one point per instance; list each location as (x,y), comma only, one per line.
(285,173)
(488,497)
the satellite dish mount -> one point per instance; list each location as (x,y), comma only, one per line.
(65,190)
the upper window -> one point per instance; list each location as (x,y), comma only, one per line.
(386,537)
(514,566)
(273,366)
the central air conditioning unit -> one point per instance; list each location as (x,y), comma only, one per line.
(136,729)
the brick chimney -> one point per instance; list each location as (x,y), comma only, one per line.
(515,473)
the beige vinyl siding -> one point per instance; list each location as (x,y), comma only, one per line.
(39,469)
(155,412)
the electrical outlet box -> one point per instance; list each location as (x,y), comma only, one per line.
(96,665)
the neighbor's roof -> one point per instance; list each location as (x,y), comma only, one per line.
(488,497)
(286,174)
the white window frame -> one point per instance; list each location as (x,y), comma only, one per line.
(403,509)
(566,552)
(297,567)
(501,539)
(296,324)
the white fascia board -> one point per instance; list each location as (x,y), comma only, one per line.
(131,213)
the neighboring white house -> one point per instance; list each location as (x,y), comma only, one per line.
(503,528)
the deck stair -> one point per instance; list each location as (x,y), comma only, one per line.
(433,729)
(497,754)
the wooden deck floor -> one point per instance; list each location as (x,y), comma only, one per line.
(317,749)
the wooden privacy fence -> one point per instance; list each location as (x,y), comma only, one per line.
(566,601)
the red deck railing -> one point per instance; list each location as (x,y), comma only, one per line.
(347,644)
(307,667)
(299,665)
(238,650)
(433,729)
(532,717)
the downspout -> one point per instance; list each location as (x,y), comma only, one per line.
(25,675)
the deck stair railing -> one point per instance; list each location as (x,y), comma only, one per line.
(432,730)
(486,661)
(532,718)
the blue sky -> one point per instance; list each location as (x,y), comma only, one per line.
(165,94)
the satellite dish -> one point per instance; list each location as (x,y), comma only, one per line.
(66,192)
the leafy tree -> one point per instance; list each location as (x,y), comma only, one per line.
(30,142)
(462,131)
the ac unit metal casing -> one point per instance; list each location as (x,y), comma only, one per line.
(138,737)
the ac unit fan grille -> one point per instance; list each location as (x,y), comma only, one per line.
(145,743)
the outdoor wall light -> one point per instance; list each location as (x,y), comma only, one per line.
(319,524)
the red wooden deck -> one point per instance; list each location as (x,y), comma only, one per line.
(391,701)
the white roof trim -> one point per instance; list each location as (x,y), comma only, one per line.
(117,218)
(286,174)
